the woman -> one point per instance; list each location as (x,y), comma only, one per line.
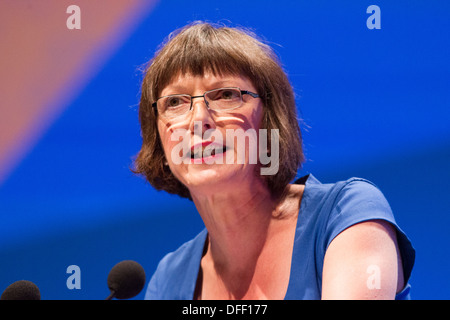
(265,237)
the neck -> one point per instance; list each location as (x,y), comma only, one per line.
(240,221)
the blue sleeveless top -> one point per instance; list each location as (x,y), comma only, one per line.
(325,211)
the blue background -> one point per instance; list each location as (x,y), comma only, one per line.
(375,104)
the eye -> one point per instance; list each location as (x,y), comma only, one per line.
(175,101)
(228,94)
(225,94)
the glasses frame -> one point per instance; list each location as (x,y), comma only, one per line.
(254,95)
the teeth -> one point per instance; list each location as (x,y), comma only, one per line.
(206,151)
(196,154)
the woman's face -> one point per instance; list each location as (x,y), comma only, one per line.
(196,145)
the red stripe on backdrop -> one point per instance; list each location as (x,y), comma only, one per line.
(44,64)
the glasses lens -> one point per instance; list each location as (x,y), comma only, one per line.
(224,98)
(174,106)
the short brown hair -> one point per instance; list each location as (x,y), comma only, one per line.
(202,47)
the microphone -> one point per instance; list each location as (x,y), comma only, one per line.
(21,290)
(125,280)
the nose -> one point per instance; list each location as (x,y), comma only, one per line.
(201,119)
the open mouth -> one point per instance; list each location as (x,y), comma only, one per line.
(206,151)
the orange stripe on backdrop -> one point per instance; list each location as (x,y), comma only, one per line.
(44,65)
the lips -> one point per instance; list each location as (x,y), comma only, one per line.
(206,149)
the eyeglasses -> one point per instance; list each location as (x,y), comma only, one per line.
(223,99)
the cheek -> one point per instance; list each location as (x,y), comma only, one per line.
(256,117)
(171,136)
(166,142)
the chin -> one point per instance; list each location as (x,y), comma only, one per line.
(213,178)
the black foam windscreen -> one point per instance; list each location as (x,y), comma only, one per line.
(126,279)
(21,290)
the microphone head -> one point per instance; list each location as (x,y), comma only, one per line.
(21,290)
(126,279)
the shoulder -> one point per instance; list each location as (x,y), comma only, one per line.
(336,206)
(351,200)
(352,189)
(357,200)
(177,271)
(352,212)
(329,196)
(358,231)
